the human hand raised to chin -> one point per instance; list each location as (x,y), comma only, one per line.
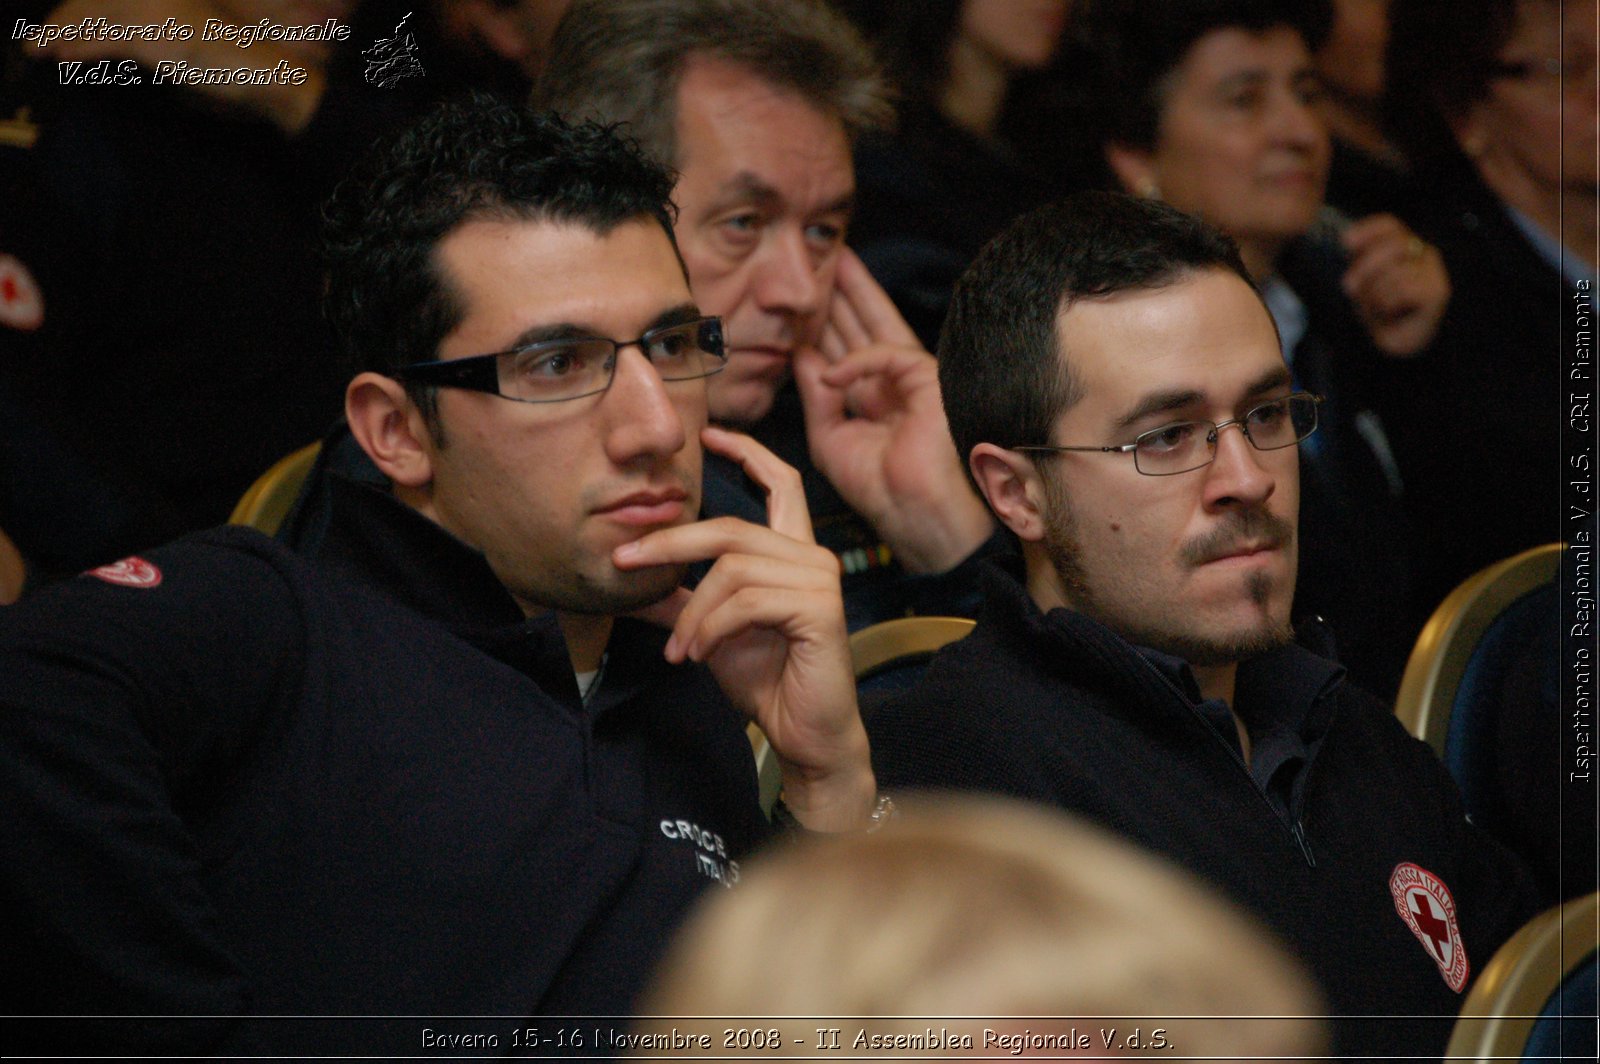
(1397,283)
(768,620)
(877,430)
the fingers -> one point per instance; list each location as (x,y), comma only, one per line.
(844,322)
(822,403)
(664,613)
(1397,282)
(787,514)
(789,520)
(865,309)
(1382,253)
(745,591)
(905,365)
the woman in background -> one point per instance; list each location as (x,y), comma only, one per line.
(1494,100)
(960,165)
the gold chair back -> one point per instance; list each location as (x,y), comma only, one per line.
(269,500)
(1500,1010)
(1439,660)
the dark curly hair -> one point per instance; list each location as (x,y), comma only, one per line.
(467,159)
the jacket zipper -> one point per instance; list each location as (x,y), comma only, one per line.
(1290,823)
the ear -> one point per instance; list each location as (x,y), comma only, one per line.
(1011,485)
(390,428)
(1135,169)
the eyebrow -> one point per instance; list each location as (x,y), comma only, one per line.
(746,187)
(539,334)
(1256,76)
(1173,401)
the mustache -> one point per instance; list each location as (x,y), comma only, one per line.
(1243,527)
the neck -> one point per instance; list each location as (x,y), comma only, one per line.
(975,90)
(1567,214)
(1260,257)
(586,636)
(1216,681)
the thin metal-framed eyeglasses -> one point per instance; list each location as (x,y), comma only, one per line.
(555,371)
(1184,446)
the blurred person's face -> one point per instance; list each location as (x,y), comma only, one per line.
(1018,34)
(1534,134)
(1239,142)
(1350,62)
(764,195)
(1198,564)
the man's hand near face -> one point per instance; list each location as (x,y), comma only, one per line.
(768,620)
(877,430)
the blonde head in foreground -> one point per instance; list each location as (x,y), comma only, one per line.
(983,907)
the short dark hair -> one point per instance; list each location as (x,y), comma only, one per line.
(621,61)
(1004,376)
(1123,52)
(466,159)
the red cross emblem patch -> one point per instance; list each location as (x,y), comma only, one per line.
(21,305)
(1425,904)
(129,572)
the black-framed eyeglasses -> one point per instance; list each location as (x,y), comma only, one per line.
(554,371)
(1184,446)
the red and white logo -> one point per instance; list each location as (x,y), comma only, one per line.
(129,572)
(1425,904)
(21,305)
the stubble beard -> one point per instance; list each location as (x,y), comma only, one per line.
(1063,548)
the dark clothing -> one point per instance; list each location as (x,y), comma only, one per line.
(1091,725)
(1362,184)
(1476,422)
(876,588)
(1356,546)
(928,197)
(182,349)
(360,785)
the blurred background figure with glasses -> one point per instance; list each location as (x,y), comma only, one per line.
(1494,101)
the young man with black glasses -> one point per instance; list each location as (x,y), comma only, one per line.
(475,755)
(1118,388)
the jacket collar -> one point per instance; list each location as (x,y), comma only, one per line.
(386,545)
(1086,652)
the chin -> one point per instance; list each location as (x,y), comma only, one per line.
(608,594)
(742,402)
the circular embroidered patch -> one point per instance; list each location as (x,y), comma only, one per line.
(21,305)
(1425,904)
(129,572)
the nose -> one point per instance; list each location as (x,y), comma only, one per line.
(1299,124)
(641,419)
(788,279)
(1237,477)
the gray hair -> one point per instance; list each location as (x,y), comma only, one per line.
(620,61)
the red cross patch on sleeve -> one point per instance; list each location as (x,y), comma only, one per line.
(1425,904)
(21,305)
(129,572)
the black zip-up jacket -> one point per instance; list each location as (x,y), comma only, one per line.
(1057,708)
(237,782)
